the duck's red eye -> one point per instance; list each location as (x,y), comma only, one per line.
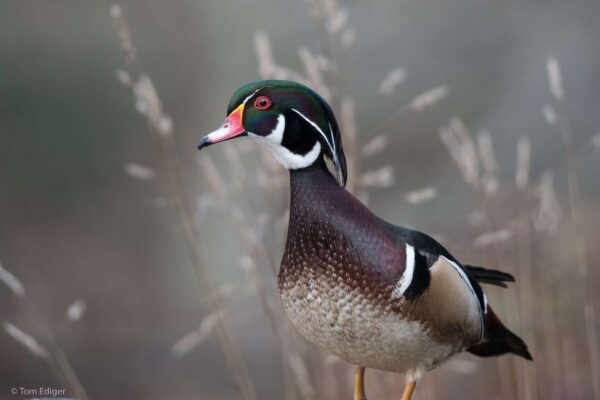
(262,102)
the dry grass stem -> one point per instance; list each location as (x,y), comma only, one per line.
(302,377)
(523,162)
(213,177)
(489,179)
(124,78)
(26,340)
(549,211)
(374,146)
(555,79)
(313,72)
(267,68)
(394,78)
(462,149)
(421,195)
(337,22)
(196,337)
(348,38)
(491,238)
(148,103)
(549,115)
(11,282)
(139,171)
(264,55)
(204,203)
(331,359)
(428,99)
(462,366)
(380,178)
(127,46)
(596,141)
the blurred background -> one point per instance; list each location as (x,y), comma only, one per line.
(133,267)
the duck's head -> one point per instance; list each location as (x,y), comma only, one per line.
(291,119)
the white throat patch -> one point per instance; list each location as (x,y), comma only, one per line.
(282,154)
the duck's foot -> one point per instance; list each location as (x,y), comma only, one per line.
(408,390)
(359,383)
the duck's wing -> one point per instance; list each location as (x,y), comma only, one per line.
(427,252)
(438,290)
(454,293)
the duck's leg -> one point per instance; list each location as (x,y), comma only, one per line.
(408,390)
(359,383)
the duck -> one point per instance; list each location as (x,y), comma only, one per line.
(372,293)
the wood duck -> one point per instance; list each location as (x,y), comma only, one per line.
(375,294)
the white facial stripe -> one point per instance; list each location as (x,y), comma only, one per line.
(332,141)
(253,93)
(249,97)
(407,276)
(282,154)
(314,125)
(335,159)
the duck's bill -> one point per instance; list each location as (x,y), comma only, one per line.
(231,128)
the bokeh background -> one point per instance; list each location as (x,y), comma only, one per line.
(135,268)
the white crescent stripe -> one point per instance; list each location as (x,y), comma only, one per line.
(407,276)
(314,125)
(253,93)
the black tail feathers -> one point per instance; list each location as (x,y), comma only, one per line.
(511,343)
(499,340)
(490,276)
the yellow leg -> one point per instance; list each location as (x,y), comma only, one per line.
(408,390)
(359,383)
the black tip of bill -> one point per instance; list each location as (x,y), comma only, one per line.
(204,142)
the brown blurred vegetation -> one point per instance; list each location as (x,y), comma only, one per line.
(456,120)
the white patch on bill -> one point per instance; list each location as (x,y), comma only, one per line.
(219,134)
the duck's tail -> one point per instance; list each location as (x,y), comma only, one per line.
(490,276)
(499,340)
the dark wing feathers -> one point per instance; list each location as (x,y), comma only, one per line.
(498,339)
(490,276)
(430,249)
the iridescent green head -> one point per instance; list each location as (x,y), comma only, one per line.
(291,119)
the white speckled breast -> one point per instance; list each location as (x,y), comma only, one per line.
(358,327)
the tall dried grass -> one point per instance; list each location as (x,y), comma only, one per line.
(47,347)
(160,124)
(515,225)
